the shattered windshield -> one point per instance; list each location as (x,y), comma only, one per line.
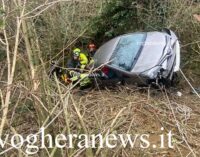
(126,51)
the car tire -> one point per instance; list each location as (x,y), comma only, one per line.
(174,81)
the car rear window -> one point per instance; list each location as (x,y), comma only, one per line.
(126,51)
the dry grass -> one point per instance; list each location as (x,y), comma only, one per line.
(144,111)
(29,100)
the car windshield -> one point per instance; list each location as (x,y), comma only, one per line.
(126,51)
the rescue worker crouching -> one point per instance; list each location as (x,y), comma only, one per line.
(80,61)
(91,52)
(91,49)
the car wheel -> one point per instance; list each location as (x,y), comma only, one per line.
(171,82)
(175,79)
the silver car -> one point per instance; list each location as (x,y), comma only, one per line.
(143,56)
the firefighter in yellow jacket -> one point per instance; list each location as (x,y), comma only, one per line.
(80,59)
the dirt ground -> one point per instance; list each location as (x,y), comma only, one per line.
(130,110)
(146,111)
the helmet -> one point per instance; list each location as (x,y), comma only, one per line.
(91,45)
(76,52)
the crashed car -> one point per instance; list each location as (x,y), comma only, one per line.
(143,57)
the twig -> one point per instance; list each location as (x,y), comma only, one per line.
(11,73)
(189,83)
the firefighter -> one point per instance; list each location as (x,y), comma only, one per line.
(84,80)
(80,59)
(91,49)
